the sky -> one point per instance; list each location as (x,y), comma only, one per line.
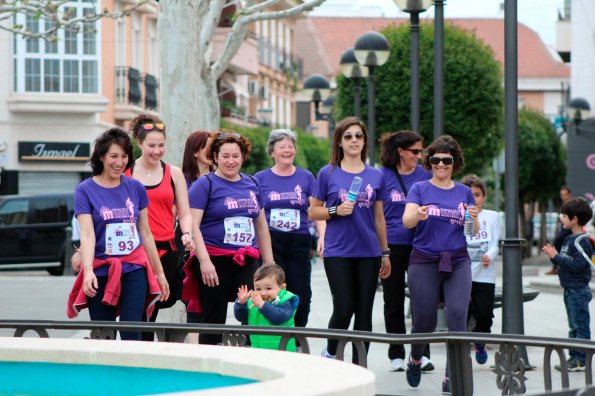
(540,15)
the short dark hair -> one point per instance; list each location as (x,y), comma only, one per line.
(269,269)
(390,142)
(136,126)
(577,207)
(102,144)
(195,142)
(566,188)
(474,181)
(229,137)
(445,144)
(337,152)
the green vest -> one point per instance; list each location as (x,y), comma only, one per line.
(255,318)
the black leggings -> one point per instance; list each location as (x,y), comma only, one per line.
(214,300)
(292,253)
(353,284)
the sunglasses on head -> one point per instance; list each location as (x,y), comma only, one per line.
(151,127)
(226,134)
(414,151)
(359,135)
(445,160)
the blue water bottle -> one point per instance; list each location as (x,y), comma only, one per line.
(468,226)
(354,189)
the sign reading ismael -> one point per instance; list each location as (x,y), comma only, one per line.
(54,151)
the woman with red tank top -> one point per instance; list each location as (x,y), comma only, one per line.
(168,197)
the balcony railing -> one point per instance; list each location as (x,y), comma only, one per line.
(135,88)
(508,372)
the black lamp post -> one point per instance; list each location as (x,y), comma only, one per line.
(439,67)
(580,158)
(354,71)
(317,89)
(414,8)
(372,50)
(578,110)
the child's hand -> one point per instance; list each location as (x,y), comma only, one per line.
(243,294)
(550,250)
(485,260)
(257,299)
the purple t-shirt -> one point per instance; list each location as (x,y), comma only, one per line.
(230,211)
(281,193)
(111,206)
(394,203)
(443,230)
(355,235)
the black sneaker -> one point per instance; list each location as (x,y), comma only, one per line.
(446,385)
(572,365)
(413,373)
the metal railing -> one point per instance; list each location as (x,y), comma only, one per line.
(509,367)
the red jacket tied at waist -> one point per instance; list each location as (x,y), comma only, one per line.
(190,291)
(77,299)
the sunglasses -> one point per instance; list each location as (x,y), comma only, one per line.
(358,136)
(414,151)
(151,127)
(226,134)
(445,160)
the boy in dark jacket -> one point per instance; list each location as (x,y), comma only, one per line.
(574,271)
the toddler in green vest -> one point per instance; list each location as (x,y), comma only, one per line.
(269,304)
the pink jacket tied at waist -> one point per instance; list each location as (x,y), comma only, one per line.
(77,299)
(190,291)
(444,259)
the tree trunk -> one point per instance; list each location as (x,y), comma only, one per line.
(188,91)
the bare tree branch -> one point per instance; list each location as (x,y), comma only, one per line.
(210,22)
(259,7)
(239,31)
(53,11)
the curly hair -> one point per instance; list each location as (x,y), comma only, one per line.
(390,142)
(343,125)
(103,143)
(445,144)
(228,136)
(136,129)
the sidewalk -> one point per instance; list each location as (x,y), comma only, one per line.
(545,316)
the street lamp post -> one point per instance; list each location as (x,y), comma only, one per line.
(580,157)
(326,113)
(317,88)
(414,8)
(438,67)
(372,50)
(354,71)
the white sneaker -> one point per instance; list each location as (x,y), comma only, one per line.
(426,364)
(327,355)
(397,365)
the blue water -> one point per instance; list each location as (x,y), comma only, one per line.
(57,379)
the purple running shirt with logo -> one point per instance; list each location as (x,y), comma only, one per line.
(240,199)
(117,205)
(443,230)
(354,235)
(286,192)
(394,203)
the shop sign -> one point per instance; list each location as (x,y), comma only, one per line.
(54,151)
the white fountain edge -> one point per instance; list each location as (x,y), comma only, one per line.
(278,373)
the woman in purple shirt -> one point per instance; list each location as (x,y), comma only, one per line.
(439,262)
(355,246)
(400,153)
(229,222)
(286,190)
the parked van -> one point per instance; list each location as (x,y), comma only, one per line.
(33,231)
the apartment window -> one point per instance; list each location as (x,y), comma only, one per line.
(66,63)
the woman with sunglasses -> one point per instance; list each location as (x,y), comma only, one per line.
(228,223)
(400,153)
(168,197)
(439,263)
(121,272)
(355,246)
(286,190)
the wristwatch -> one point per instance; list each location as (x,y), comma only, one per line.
(190,233)
(386,253)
